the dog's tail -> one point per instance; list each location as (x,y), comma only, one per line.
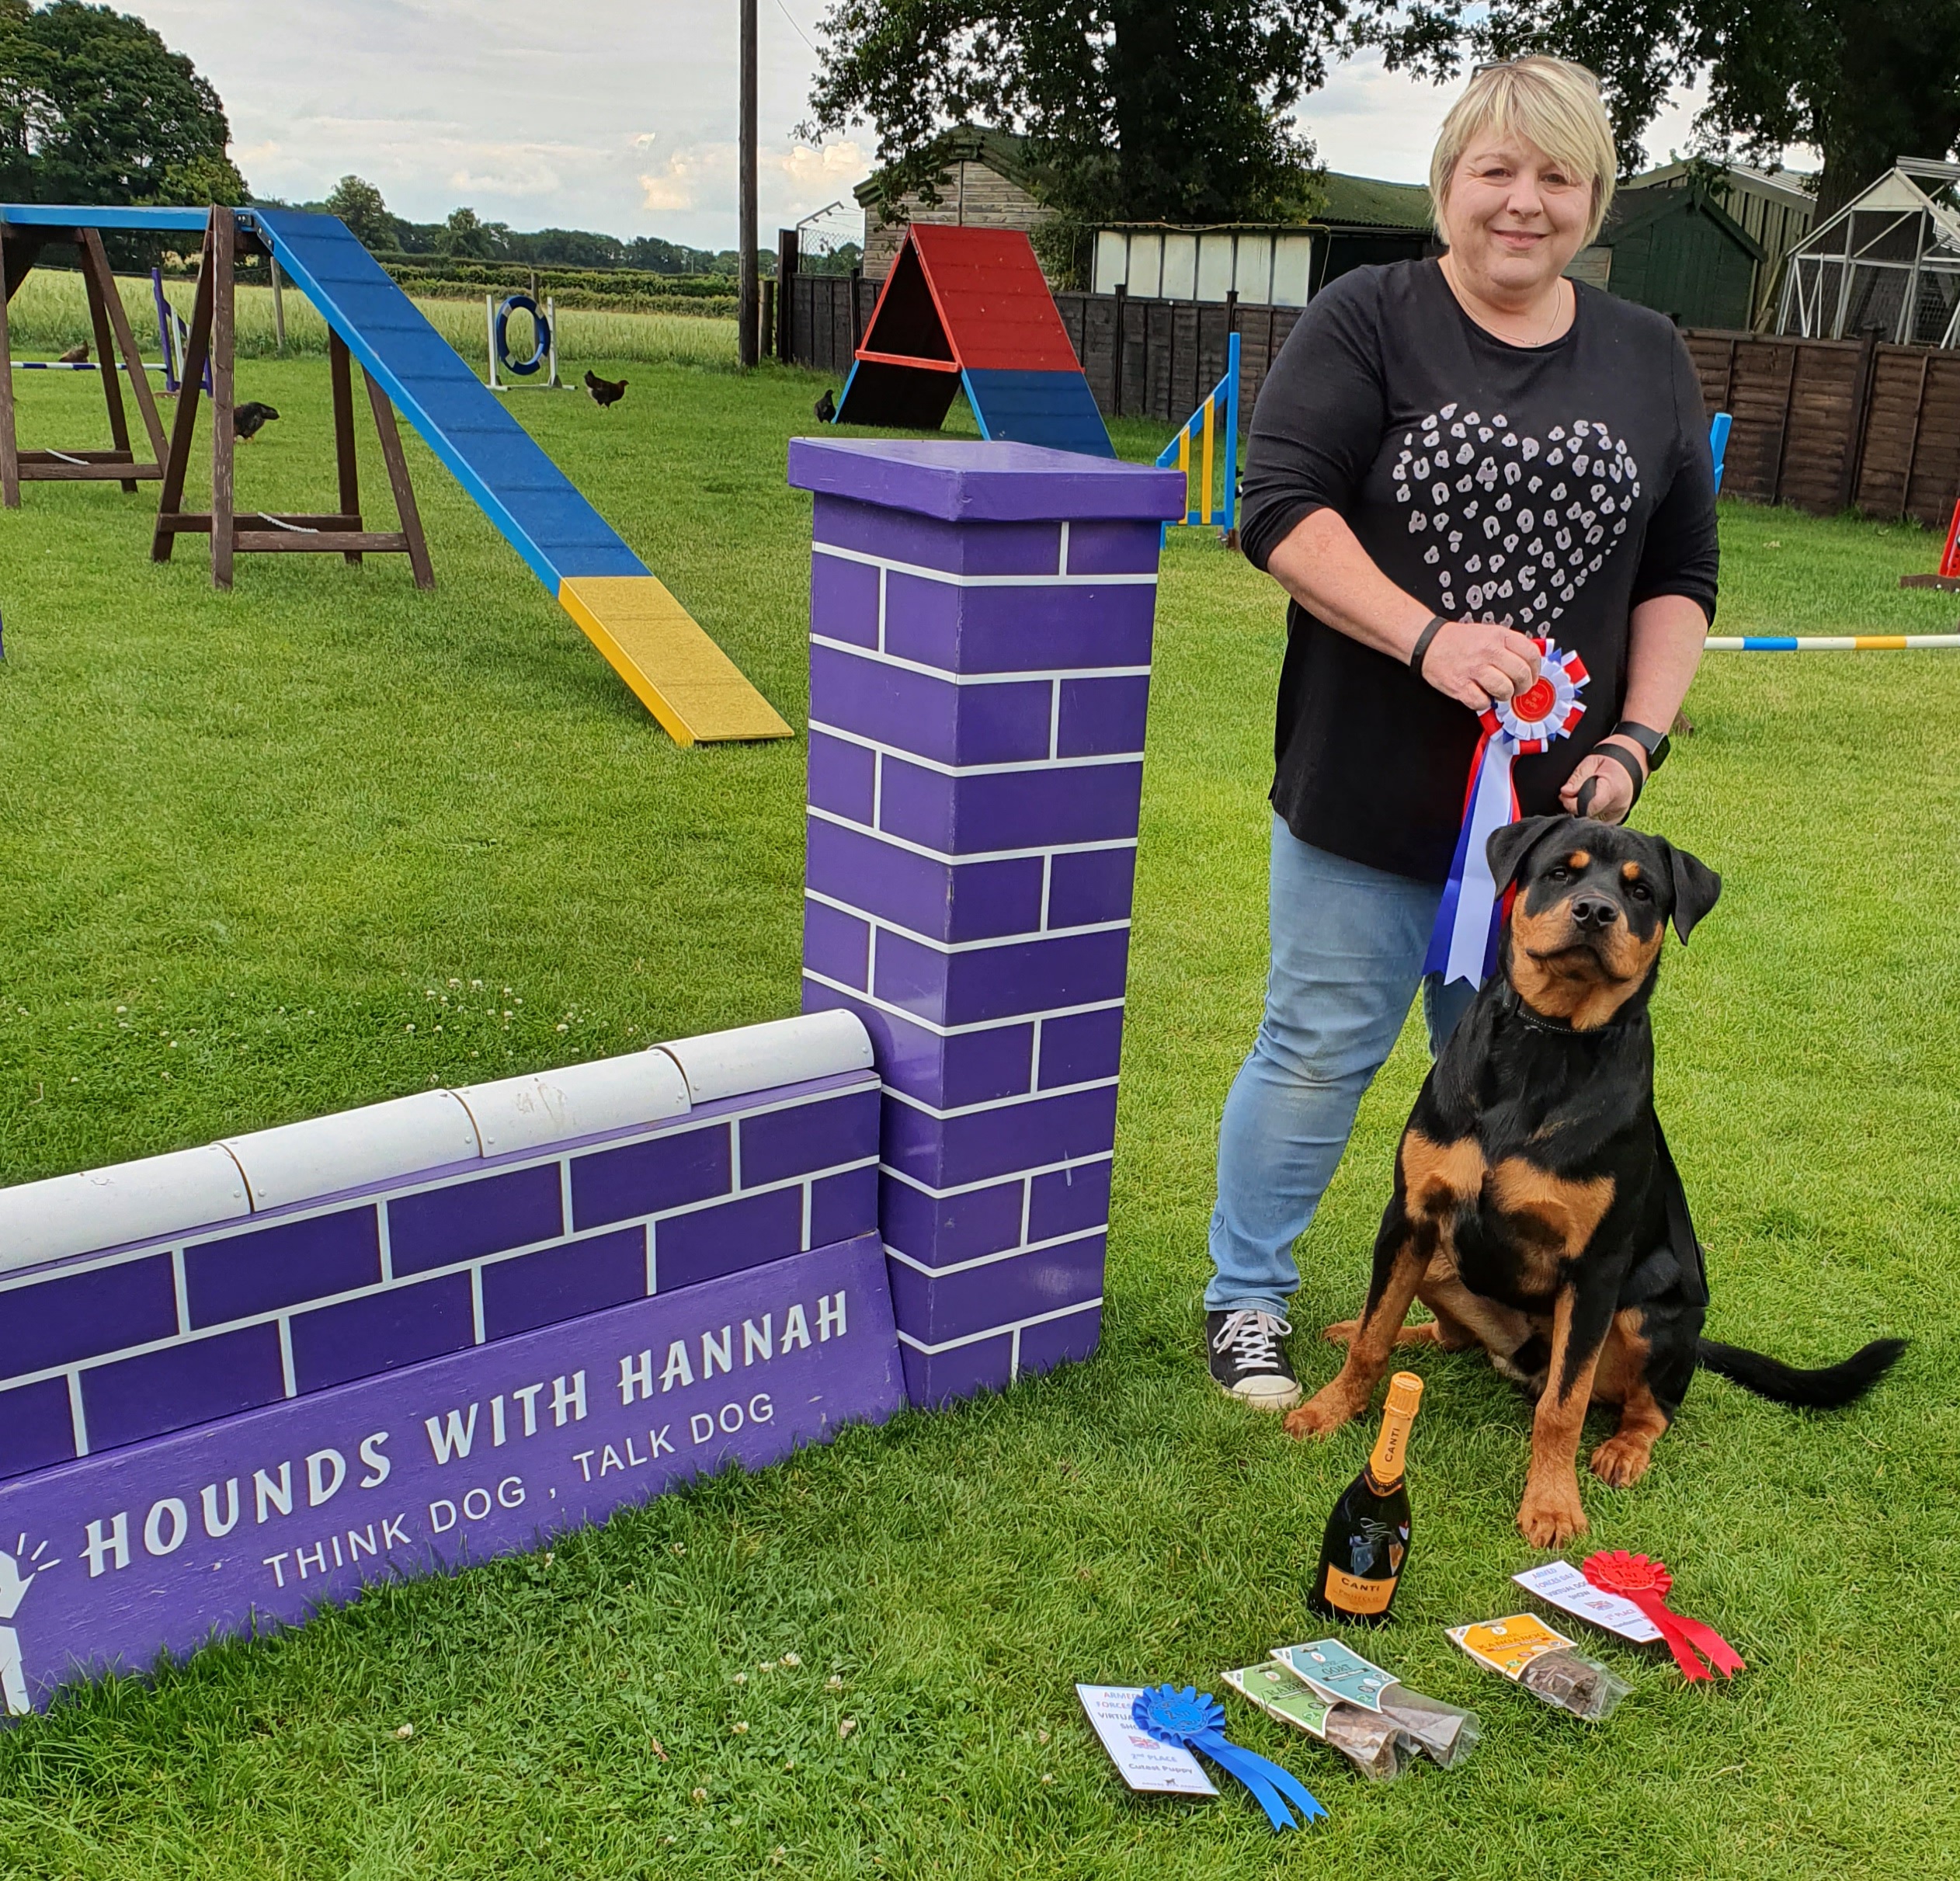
(1825,1389)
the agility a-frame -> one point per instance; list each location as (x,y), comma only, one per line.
(967,309)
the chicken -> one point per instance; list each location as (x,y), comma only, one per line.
(76,355)
(826,408)
(604,391)
(248,418)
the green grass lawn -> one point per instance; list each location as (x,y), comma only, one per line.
(247,837)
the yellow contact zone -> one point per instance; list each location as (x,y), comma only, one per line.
(696,692)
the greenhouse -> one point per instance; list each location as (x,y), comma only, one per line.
(1886,264)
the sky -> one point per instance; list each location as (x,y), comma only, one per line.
(622,118)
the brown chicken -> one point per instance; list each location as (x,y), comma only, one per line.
(76,355)
(604,391)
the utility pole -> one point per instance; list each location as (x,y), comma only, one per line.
(746,287)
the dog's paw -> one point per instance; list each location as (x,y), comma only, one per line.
(1322,1413)
(1621,1461)
(1343,1332)
(1550,1517)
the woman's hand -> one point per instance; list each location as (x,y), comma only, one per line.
(1476,662)
(1615,797)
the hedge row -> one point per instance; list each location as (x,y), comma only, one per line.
(620,285)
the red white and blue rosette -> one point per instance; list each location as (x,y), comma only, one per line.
(1464,943)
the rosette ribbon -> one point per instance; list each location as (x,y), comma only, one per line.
(1464,939)
(1463,944)
(1195,1719)
(1647,1584)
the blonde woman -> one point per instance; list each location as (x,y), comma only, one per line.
(1414,407)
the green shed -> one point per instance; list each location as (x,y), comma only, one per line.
(1677,251)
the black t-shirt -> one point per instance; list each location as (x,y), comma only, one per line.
(1554,488)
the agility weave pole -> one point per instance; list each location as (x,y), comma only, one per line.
(240,1380)
(1833,643)
(1192,449)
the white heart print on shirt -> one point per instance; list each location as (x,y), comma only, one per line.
(1516,525)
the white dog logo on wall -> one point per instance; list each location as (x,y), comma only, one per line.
(1521,524)
(14,1584)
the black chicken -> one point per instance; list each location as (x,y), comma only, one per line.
(604,391)
(249,418)
(826,408)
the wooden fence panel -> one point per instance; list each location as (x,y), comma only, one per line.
(1826,425)
(1936,463)
(1892,428)
(1822,424)
(1822,435)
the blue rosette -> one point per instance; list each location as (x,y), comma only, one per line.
(1196,1720)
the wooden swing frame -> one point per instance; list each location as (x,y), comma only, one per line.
(233,533)
(113,337)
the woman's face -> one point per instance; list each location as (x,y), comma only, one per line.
(1514,217)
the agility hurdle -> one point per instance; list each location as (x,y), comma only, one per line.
(1831,643)
(544,341)
(1191,450)
(238,1381)
(78,365)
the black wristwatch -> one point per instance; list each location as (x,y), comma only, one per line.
(1654,743)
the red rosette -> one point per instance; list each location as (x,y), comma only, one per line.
(1647,1584)
(1620,1573)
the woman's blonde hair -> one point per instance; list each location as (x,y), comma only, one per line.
(1551,102)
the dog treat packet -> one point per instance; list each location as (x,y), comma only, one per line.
(1546,1663)
(1445,1733)
(1441,1732)
(1373,1744)
(1376,1746)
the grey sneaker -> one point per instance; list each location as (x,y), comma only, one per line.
(1248,1361)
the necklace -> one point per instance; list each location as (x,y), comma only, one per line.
(1470,304)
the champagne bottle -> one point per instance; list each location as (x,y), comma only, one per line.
(1367,1542)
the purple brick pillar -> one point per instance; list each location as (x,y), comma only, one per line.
(980,630)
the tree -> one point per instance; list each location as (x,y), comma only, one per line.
(358,204)
(469,237)
(95,108)
(1135,110)
(1863,81)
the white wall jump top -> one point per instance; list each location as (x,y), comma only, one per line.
(611,1093)
(162,1197)
(296,1162)
(781,1052)
(127,1201)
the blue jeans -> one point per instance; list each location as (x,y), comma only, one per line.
(1348,943)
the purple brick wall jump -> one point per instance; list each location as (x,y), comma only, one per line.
(668,1172)
(975,779)
(181,1385)
(266,1268)
(467,1220)
(378,1332)
(56,1321)
(36,1426)
(159,1337)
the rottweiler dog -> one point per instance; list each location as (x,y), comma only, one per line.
(1537,1211)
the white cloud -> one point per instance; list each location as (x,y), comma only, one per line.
(688,174)
(840,163)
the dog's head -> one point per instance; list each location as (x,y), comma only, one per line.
(1593,900)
